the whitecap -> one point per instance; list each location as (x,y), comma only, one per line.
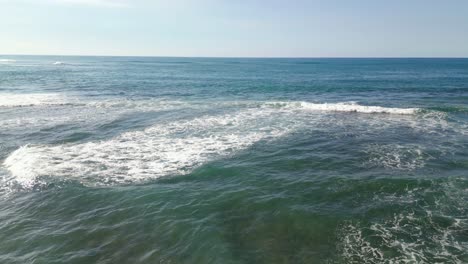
(344,107)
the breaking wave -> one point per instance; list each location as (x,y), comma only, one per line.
(346,107)
(20,100)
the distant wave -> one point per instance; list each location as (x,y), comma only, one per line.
(34,99)
(21,100)
(56,99)
(59,63)
(7,61)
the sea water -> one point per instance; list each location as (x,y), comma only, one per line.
(226,160)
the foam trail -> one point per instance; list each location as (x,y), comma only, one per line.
(174,148)
(345,107)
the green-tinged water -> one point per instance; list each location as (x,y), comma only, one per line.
(191,160)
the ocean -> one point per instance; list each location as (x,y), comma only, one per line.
(233,160)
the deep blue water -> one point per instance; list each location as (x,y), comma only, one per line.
(224,160)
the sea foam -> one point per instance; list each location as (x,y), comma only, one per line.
(419,233)
(166,149)
(395,156)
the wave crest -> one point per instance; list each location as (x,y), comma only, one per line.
(345,107)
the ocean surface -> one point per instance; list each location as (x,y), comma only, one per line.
(220,160)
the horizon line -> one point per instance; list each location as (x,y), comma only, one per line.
(247,57)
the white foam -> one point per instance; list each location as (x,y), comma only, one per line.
(415,234)
(345,107)
(166,149)
(58,63)
(395,156)
(385,237)
(18,162)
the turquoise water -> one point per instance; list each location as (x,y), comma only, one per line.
(196,160)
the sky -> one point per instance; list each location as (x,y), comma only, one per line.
(236,28)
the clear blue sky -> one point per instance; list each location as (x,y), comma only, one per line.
(269,28)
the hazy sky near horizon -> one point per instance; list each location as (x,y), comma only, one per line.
(269,28)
